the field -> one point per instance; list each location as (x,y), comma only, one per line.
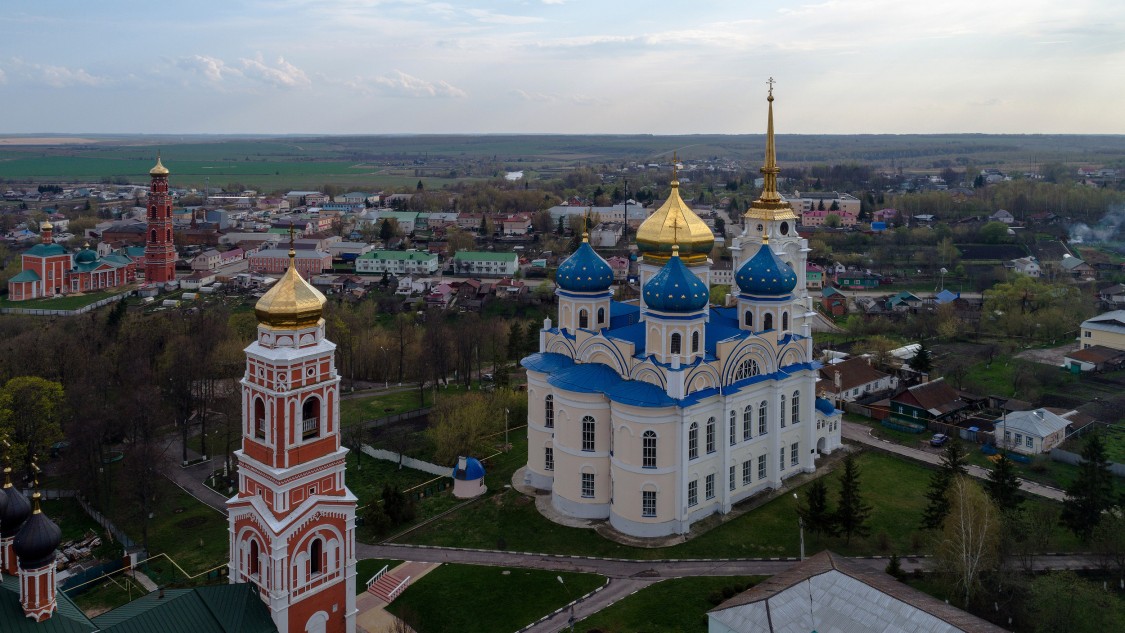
(677,605)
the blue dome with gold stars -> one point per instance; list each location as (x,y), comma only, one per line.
(584,271)
(675,288)
(765,274)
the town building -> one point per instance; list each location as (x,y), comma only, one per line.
(831,201)
(933,401)
(1107,330)
(834,302)
(48,270)
(397,263)
(1077,268)
(655,415)
(1094,358)
(1031,432)
(814,276)
(485,264)
(308,262)
(1025,266)
(820,218)
(852,379)
(160,251)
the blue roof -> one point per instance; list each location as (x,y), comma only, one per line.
(85,256)
(945,296)
(622,314)
(765,274)
(825,406)
(473,470)
(597,378)
(546,362)
(634,333)
(676,289)
(639,394)
(715,332)
(585,378)
(584,271)
(725,316)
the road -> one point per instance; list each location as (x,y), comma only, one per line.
(862,434)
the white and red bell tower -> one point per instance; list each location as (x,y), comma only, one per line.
(160,251)
(292,523)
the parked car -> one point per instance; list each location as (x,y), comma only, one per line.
(939,439)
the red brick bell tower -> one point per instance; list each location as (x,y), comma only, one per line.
(292,523)
(160,252)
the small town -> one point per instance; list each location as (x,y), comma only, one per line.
(774,375)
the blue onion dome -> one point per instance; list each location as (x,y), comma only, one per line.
(765,274)
(15,513)
(37,540)
(584,271)
(675,288)
(825,406)
(85,256)
(468,468)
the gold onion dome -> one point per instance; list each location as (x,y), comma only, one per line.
(675,223)
(292,302)
(45,226)
(769,206)
(159,169)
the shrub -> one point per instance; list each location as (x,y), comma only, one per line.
(715,598)
(883,540)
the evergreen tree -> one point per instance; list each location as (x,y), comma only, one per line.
(420,186)
(923,361)
(814,512)
(531,338)
(851,512)
(1003,486)
(515,341)
(1091,492)
(562,226)
(386,231)
(951,466)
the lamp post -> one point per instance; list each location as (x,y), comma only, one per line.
(569,620)
(800,525)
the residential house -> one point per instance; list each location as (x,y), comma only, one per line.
(606,235)
(855,280)
(851,379)
(1077,268)
(620,266)
(1106,329)
(1094,358)
(207,260)
(519,224)
(933,401)
(411,285)
(814,276)
(510,289)
(397,263)
(837,269)
(830,201)
(276,261)
(904,302)
(885,215)
(440,296)
(820,218)
(722,273)
(834,301)
(1031,432)
(226,258)
(1002,216)
(198,279)
(482,263)
(1113,295)
(1025,266)
(946,296)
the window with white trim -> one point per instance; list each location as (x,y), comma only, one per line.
(693,441)
(549,411)
(731,477)
(781,411)
(709,486)
(648,449)
(695,342)
(588,485)
(796,417)
(763,423)
(747,473)
(648,503)
(587,433)
(675,343)
(747,421)
(693,492)
(793,456)
(781,459)
(747,369)
(548,458)
(733,428)
(710,435)
(761,467)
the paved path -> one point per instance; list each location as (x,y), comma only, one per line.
(191,478)
(862,434)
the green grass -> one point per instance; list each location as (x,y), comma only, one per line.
(356,410)
(894,487)
(470,598)
(190,533)
(365,569)
(69,302)
(677,605)
(366,477)
(71,518)
(109,595)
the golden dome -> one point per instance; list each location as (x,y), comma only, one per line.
(45,226)
(769,206)
(159,169)
(675,223)
(292,302)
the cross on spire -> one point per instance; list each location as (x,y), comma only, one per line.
(771,82)
(675,164)
(676,233)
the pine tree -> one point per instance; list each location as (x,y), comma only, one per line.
(851,513)
(386,231)
(531,338)
(1003,486)
(814,512)
(1091,492)
(951,466)
(923,361)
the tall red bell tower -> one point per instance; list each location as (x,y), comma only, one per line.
(292,523)
(160,252)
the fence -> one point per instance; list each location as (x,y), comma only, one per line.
(409,462)
(83,310)
(1066,457)
(398,417)
(80,581)
(121,536)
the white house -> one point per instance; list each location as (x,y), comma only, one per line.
(485,263)
(1031,432)
(1002,216)
(397,263)
(410,285)
(207,260)
(851,379)
(1026,266)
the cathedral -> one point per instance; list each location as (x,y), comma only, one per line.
(656,414)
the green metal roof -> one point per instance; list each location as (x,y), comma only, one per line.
(68,618)
(484,256)
(46,250)
(399,255)
(212,609)
(27,275)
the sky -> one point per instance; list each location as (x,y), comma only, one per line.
(561,66)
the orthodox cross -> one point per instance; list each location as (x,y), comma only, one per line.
(771,82)
(675,163)
(676,231)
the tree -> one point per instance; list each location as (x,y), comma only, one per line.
(31,414)
(923,360)
(951,467)
(1091,492)
(1003,486)
(399,507)
(720,226)
(814,512)
(993,233)
(969,546)
(386,230)
(851,512)
(515,341)
(832,221)
(1109,541)
(1063,601)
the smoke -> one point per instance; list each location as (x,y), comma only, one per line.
(1109,231)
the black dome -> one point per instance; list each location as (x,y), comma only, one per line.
(37,541)
(16,512)
(3,503)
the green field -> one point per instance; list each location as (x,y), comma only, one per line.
(487,599)
(677,605)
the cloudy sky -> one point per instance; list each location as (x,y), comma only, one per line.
(561,66)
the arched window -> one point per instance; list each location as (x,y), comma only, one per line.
(583,318)
(152,236)
(796,407)
(710,435)
(767,321)
(694,342)
(784,321)
(549,412)
(316,553)
(310,418)
(675,343)
(601,316)
(587,433)
(693,441)
(747,369)
(255,565)
(763,424)
(733,431)
(259,419)
(747,420)
(749,319)
(168,235)
(781,411)
(648,446)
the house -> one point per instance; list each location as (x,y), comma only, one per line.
(308,262)
(814,276)
(207,260)
(933,401)
(946,296)
(1031,432)
(198,279)
(226,258)
(1002,216)
(620,266)
(1113,295)
(885,215)
(856,280)
(851,379)
(834,301)
(519,224)
(1076,267)
(606,235)
(1025,266)
(396,263)
(820,218)
(411,285)
(482,263)
(440,296)
(904,302)
(830,201)
(508,288)
(827,592)
(1106,329)
(1094,358)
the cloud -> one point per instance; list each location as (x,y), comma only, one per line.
(282,75)
(400,84)
(212,68)
(501,18)
(53,76)
(3,77)
(554,1)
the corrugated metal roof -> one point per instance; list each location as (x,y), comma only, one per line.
(68,618)
(214,609)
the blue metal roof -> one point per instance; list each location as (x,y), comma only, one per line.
(634,334)
(825,406)
(584,271)
(714,332)
(765,274)
(639,394)
(473,470)
(585,378)
(676,289)
(546,362)
(622,314)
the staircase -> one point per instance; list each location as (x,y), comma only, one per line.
(388,586)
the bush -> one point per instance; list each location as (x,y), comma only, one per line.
(715,598)
(894,567)
(728,592)
(883,540)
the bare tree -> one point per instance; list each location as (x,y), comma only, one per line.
(970,537)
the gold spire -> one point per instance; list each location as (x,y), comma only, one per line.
(586,226)
(7,461)
(35,486)
(159,169)
(769,206)
(660,232)
(292,302)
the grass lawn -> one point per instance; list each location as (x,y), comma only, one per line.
(109,595)
(356,410)
(670,606)
(71,518)
(894,487)
(69,302)
(190,533)
(487,599)
(365,569)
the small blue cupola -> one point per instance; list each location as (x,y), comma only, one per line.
(765,274)
(584,271)
(675,288)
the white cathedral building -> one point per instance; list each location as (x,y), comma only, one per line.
(655,415)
